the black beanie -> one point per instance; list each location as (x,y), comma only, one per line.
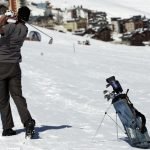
(23,13)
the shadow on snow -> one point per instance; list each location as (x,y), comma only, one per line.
(44,128)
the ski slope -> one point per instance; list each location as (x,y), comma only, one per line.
(64,82)
(113,8)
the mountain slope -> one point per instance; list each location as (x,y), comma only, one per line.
(115,8)
(63,84)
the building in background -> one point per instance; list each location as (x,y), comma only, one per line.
(3,6)
(3,9)
(22,3)
(14,5)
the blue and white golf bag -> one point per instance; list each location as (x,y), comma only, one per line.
(133,121)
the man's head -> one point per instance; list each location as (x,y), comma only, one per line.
(24,14)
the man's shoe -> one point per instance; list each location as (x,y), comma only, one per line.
(8,132)
(29,125)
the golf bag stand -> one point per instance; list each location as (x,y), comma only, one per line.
(133,121)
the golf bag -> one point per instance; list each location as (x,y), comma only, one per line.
(133,121)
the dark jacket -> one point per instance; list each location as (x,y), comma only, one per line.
(11,41)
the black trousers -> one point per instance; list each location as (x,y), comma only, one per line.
(10,85)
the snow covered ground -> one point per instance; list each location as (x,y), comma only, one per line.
(64,82)
(113,8)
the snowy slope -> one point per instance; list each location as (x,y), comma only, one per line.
(114,8)
(125,8)
(63,84)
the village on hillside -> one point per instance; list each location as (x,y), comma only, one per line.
(92,23)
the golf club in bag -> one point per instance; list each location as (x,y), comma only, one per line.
(133,121)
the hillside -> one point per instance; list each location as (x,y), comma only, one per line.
(115,8)
(63,83)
